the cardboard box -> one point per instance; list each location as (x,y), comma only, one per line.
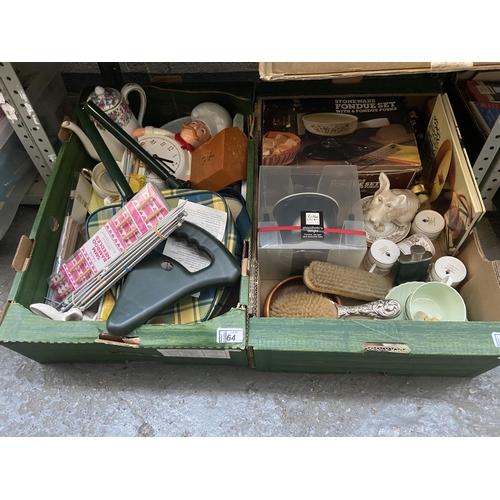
(278,71)
(390,347)
(321,346)
(45,340)
(460,349)
(482,287)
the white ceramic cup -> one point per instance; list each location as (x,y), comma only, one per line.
(381,256)
(416,239)
(449,270)
(435,301)
(101,182)
(428,222)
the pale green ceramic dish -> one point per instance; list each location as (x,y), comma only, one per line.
(401,293)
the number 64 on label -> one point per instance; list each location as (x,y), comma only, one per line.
(229,335)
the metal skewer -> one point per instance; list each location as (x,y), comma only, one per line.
(93,290)
(130,257)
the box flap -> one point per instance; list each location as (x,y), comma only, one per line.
(483,280)
(23,253)
(4,311)
(274,71)
(106,338)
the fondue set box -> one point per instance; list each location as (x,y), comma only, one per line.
(304,190)
(374,133)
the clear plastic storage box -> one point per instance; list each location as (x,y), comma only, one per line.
(308,213)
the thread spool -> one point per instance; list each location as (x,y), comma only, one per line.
(428,222)
(448,269)
(381,257)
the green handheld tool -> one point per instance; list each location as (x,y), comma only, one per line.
(158,281)
(112,168)
(114,129)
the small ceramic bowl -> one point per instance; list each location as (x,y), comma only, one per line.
(330,124)
(286,157)
(435,301)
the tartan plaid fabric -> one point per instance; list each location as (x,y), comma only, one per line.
(210,302)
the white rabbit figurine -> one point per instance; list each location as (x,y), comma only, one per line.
(392,205)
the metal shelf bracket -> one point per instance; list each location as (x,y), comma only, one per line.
(17,104)
(487,167)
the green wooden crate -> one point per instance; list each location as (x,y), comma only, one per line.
(45,340)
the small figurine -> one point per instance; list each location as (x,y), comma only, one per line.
(392,205)
(207,120)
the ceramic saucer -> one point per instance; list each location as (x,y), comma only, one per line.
(401,293)
(392,231)
(175,126)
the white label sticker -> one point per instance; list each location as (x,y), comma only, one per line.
(229,335)
(195,353)
(496,338)
(312,218)
(210,219)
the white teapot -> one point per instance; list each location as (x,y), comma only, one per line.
(115,105)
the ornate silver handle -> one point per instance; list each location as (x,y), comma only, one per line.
(380,309)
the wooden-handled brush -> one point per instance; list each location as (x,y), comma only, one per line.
(325,277)
(314,305)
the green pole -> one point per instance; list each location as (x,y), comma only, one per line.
(132,145)
(105,155)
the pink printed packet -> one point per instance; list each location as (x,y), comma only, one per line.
(139,215)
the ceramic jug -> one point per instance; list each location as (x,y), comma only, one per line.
(115,105)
